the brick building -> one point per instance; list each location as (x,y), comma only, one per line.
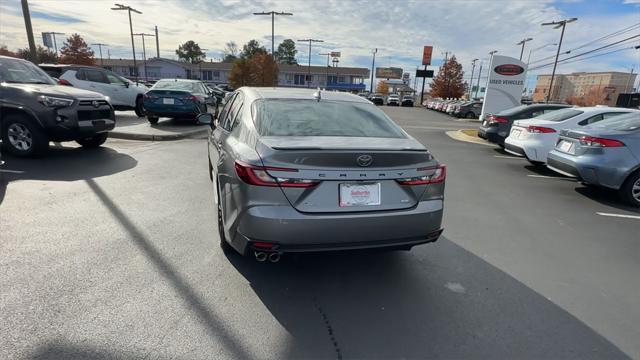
(601,87)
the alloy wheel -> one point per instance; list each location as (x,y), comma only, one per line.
(20,137)
(635,190)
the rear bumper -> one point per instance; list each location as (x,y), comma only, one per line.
(173,111)
(607,171)
(532,149)
(294,231)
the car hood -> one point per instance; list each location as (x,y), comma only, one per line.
(57,90)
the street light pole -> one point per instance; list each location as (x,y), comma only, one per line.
(558,24)
(373,63)
(133,46)
(478,83)
(326,82)
(100,45)
(473,68)
(309,69)
(273,19)
(522,42)
(29,28)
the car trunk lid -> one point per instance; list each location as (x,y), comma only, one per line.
(348,170)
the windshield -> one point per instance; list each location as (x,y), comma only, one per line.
(20,71)
(559,115)
(626,122)
(323,118)
(177,85)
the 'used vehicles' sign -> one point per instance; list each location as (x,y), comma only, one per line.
(505,84)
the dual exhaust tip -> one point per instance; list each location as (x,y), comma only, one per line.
(261,256)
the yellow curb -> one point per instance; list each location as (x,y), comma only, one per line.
(461,136)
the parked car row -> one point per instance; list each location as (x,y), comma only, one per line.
(598,145)
(391,100)
(458,108)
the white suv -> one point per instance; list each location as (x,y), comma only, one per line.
(123,94)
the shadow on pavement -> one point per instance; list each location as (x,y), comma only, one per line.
(64,164)
(439,301)
(605,196)
(58,351)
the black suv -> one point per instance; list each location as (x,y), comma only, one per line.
(496,127)
(35,110)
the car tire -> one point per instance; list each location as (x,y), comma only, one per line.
(224,245)
(22,136)
(630,190)
(139,109)
(94,141)
(153,119)
(470,115)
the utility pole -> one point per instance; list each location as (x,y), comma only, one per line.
(478,83)
(446,78)
(157,44)
(100,45)
(27,25)
(273,19)
(144,53)
(133,46)
(200,63)
(557,24)
(473,68)
(373,63)
(422,91)
(326,82)
(309,69)
(522,42)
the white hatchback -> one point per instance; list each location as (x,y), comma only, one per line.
(534,138)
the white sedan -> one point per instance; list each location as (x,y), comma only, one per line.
(534,138)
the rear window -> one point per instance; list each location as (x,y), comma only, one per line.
(626,122)
(559,115)
(322,118)
(513,111)
(176,85)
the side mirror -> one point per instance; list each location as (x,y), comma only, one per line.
(205,118)
(126,84)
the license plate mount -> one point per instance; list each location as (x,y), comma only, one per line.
(168,101)
(359,194)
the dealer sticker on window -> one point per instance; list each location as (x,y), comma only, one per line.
(357,194)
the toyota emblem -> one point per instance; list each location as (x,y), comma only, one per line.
(95,103)
(364,160)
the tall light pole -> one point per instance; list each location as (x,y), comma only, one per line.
(273,18)
(133,46)
(310,41)
(373,63)
(536,49)
(144,53)
(27,25)
(473,68)
(556,25)
(522,42)
(491,55)
(478,83)
(100,45)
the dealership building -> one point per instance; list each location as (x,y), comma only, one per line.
(332,78)
(608,85)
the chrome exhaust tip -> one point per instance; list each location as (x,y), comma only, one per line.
(260,256)
(274,257)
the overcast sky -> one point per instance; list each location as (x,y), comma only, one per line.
(399,29)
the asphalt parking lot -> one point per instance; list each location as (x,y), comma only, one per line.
(112,253)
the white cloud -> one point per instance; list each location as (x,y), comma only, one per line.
(398,29)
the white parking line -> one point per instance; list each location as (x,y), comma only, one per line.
(509,157)
(637,217)
(551,177)
(11,171)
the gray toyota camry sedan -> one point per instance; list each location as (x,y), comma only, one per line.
(298,170)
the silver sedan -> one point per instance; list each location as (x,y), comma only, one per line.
(297,170)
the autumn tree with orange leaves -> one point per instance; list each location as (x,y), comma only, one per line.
(448,83)
(76,51)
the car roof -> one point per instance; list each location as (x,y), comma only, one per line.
(294,93)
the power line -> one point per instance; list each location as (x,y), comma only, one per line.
(588,52)
(604,37)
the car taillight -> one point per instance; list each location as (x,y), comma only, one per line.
(600,142)
(193,98)
(540,129)
(257,175)
(438,176)
(64,82)
(498,119)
